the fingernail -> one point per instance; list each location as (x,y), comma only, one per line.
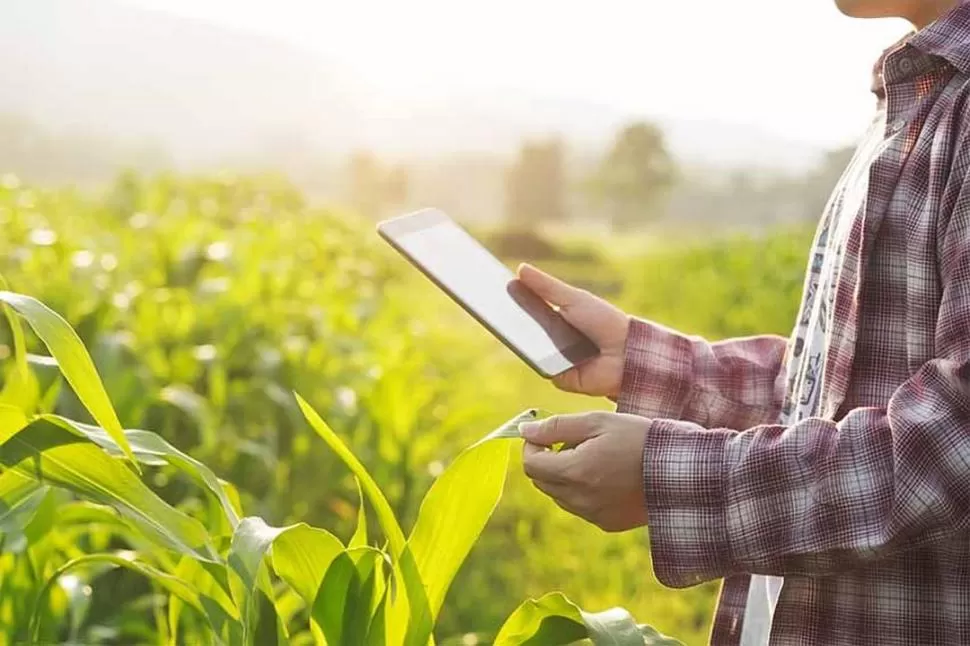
(528,429)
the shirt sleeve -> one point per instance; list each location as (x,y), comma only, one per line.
(819,497)
(735,383)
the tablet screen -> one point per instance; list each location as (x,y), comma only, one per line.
(482,284)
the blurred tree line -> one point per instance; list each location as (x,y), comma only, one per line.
(633,183)
(629,184)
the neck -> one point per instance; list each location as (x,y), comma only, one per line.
(927,11)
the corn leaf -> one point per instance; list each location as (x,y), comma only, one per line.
(150,449)
(385,515)
(510,429)
(376,631)
(554,620)
(20,497)
(361,606)
(170,583)
(359,539)
(207,587)
(414,603)
(548,621)
(222,613)
(20,388)
(653,637)
(11,421)
(612,627)
(49,453)
(339,585)
(451,518)
(345,602)
(250,543)
(301,556)
(75,363)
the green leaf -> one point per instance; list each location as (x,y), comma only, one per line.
(221,612)
(548,621)
(376,631)
(339,585)
(48,452)
(250,543)
(20,388)
(451,518)
(554,620)
(20,497)
(510,429)
(385,515)
(150,449)
(359,539)
(170,583)
(269,629)
(361,606)
(45,516)
(75,363)
(301,556)
(414,602)
(613,627)
(345,601)
(11,421)
(653,637)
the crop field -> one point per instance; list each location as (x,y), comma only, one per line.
(229,417)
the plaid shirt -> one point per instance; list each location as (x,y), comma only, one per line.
(864,509)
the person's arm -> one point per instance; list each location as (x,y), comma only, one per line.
(651,371)
(821,497)
(736,383)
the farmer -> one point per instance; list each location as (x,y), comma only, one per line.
(825,477)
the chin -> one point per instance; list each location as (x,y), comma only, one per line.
(865,8)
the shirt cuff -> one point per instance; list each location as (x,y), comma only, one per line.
(657,372)
(685,471)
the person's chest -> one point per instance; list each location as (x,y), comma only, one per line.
(886,289)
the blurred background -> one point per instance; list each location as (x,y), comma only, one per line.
(193,184)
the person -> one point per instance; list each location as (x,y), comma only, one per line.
(826,476)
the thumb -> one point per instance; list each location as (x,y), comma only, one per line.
(570,430)
(550,288)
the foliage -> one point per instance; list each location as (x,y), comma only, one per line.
(634,175)
(535,185)
(333,594)
(746,285)
(205,302)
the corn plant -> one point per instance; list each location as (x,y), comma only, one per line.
(74,508)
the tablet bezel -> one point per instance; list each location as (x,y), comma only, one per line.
(548,367)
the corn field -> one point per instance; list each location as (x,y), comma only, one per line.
(162,482)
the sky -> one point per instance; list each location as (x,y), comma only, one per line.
(795,68)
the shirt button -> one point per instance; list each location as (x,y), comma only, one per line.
(899,124)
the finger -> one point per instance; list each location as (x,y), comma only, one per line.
(568,381)
(561,495)
(550,288)
(541,464)
(571,430)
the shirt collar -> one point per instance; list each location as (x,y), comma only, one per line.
(947,38)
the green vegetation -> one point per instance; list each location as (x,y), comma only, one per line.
(205,304)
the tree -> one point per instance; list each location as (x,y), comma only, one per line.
(535,184)
(635,176)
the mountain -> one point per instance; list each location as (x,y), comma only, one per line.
(203,91)
(208,93)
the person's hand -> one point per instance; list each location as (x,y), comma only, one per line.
(604,324)
(598,474)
